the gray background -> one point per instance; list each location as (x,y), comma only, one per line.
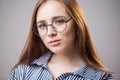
(103,17)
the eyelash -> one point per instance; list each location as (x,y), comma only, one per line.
(60,21)
(56,21)
(42,26)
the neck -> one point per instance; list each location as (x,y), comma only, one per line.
(67,58)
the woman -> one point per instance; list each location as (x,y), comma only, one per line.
(59,46)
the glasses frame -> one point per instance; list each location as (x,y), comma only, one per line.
(35,28)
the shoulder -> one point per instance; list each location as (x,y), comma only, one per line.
(100,75)
(90,73)
(19,72)
(108,76)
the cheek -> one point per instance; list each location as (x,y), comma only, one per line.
(69,33)
(70,30)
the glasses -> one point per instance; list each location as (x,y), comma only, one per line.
(58,24)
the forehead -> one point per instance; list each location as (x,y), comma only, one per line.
(50,9)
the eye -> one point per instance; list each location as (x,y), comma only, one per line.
(59,21)
(42,26)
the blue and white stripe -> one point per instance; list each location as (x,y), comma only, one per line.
(38,70)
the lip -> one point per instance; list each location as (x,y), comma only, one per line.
(54,42)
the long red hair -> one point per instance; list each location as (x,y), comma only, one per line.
(34,47)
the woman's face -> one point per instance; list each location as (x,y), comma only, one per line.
(54,12)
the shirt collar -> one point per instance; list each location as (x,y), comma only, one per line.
(43,60)
(84,71)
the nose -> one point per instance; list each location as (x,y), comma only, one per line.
(51,31)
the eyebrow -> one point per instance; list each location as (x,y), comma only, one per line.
(42,21)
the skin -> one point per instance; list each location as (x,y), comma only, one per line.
(64,49)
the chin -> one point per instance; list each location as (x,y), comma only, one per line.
(57,50)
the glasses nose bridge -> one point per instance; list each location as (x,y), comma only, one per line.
(50,29)
(51,24)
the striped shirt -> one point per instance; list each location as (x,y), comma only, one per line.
(38,70)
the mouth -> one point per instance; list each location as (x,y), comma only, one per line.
(54,42)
